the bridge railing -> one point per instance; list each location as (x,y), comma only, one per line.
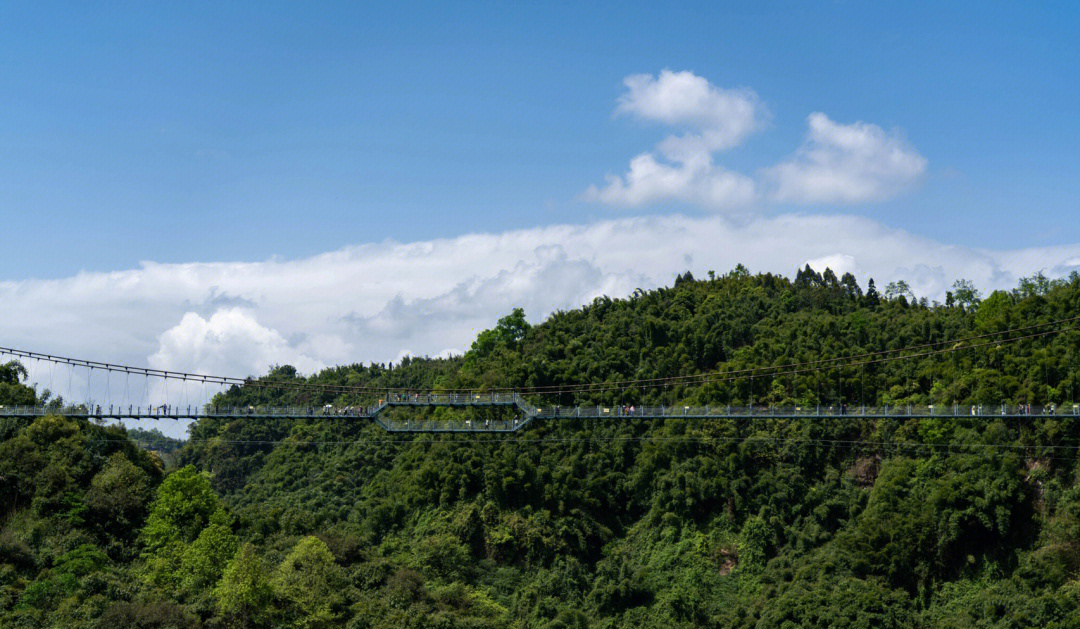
(287,411)
(451,399)
(546,411)
(453,425)
(979,410)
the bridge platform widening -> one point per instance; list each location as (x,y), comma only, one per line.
(524,412)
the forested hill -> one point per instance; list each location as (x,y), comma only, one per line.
(742,321)
(952,522)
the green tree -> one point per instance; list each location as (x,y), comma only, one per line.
(898,289)
(81,561)
(244,593)
(1035,286)
(12,391)
(118,494)
(310,581)
(872,297)
(993,311)
(182,508)
(12,372)
(965,294)
(205,559)
(508,333)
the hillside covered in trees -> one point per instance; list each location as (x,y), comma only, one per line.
(759,522)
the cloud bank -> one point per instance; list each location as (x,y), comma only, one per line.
(373,302)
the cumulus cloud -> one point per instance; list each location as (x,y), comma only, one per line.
(837,163)
(696,180)
(723,117)
(230,340)
(846,163)
(682,168)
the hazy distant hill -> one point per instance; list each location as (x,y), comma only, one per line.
(153,439)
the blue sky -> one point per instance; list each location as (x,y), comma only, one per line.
(219,187)
(221,131)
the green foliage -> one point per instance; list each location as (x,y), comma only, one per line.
(899,289)
(204,561)
(150,614)
(181,509)
(934,518)
(838,602)
(180,550)
(81,561)
(310,583)
(12,391)
(993,312)
(244,592)
(507,335)
(754,542)
(965,294)
(119,493)
(60,468)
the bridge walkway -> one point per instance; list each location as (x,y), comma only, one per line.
(524,412)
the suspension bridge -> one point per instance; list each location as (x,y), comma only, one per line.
(523,412)
(488,411)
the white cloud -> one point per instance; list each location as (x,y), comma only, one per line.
(724,116)
(837,163)
(841,163)
(371,302)
(840,263)
(696,180)
(229,341)
(682,168)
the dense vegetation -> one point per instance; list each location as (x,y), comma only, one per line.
(952,522)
